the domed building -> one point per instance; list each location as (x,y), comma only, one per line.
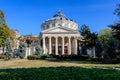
(59,35)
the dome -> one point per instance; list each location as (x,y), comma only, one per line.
(59,19)
(59,14)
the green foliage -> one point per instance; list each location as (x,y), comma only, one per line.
(33,57)
(103,36)
(1,14)
(105,61)
(39,50)
(116,27)
(8,45)
(59,73)
(75,57)
(43,57)
(2,56)
(22,49)
(111,47)
(93,39)
(117,10)
(85,32)
(84,49)
(37,57)
(90,38)
(5,31)
(98,49)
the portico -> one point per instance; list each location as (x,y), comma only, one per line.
(58,46)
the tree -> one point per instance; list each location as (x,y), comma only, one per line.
(8,52)
(103,36)
(22,49)
(84,49)
(93,39)
(117,10)
(98,49)
(111,47)
(1,14)
(85,32)
(116,27)
(89,37)
(5,31)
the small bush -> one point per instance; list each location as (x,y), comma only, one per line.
(72,57)
(33,57)
(43,57)
(53,56)
(106,61)
(2,56)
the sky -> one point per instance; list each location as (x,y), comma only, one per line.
(28,15)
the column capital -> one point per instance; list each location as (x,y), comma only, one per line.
(75,37)
(43,37)
(69,37)
(56,36)
(49,36)
(63,36)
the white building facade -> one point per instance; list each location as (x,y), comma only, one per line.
(60,35)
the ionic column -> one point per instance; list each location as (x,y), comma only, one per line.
(69,46)
(56,46)
(75,42)
(44,44)
(49,45)
(62,45)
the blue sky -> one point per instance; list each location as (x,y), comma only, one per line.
(28,15)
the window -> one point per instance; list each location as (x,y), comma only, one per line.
(47,26)
(43,28)
(53,25)
(66,25)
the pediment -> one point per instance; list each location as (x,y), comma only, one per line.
(59,30)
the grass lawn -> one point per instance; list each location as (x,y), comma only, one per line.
(23,69)
(24,63)
(59,73)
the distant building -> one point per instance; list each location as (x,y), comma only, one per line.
(60,35)
(31,39)
(15,36)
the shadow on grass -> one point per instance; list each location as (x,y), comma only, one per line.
(87,61)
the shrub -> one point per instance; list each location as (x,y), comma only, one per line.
(2,56)
(74,57)
(33,57)
(22,49)
(43,57)
(8,46)
(39,50)
(53,56)
(106,61)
